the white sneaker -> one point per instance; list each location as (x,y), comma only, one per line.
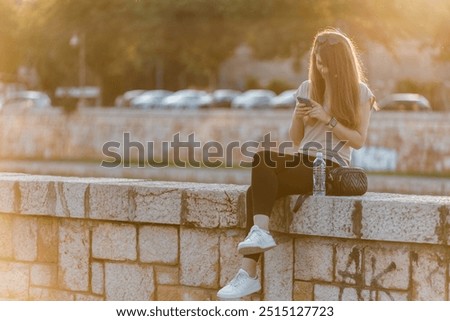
(257,241)
(241,285)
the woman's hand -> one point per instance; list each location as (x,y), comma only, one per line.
(301,110)
(317,112)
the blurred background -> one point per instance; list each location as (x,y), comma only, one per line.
(75,74)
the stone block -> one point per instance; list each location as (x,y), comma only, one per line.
(183,293)
(350,263)
(303,291)
(24,235)
(212,206)
(44,275)
(14,280)
(129,282)
(354,294)
(6,239)
(73,262)
(97,278)
(230,259)
(38,197)
(167,275)
(279,270)
(325,292)
(401,218)
(392,296)
(313,260)
(326,216)
(157,202)
(87,297)
(387,267)
(71,199)
(9,196)
(109,202)
(47,240)
(429,275)
(114,241)
(158,244)
(44,294)
(199,258)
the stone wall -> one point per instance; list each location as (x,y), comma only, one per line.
(117,239)
(397,142)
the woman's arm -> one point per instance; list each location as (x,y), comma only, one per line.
(297,128)
(354,137)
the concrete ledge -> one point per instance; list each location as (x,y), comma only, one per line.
(67,238)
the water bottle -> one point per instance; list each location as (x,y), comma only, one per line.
(319,177)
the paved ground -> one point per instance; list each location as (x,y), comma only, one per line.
(377,183)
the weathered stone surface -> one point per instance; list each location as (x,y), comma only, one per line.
(73,262)
(14,280)
(303,291)
(38,197)
(167,275)
(44,294)
(199,258)
(429,275)
(183,293)
(349,263)
(9,195)
(387,267)
(313,260)
(230,259)
(97,278)
(44,275)
(401,218)
(354,294)
(326,292)
(279,270)
(129,282)
(47,240)
(87,297)
(158,244)
(6,239)
(24,233)
(114,241)
(110,202)
(327,216)
(391,296)
(71,199)
(213,205)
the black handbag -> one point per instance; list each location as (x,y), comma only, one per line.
(341,181)
(346,181)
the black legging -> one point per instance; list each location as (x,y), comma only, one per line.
(275,175)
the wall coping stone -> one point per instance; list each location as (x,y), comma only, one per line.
(374,216)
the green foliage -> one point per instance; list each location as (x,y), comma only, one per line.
(178,43)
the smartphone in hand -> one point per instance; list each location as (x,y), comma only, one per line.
(305,101)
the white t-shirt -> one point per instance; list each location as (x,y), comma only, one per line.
(319,137)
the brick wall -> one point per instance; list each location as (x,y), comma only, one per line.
(116,239)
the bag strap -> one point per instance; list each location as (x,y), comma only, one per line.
(300,200)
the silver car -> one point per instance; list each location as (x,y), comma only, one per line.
(150,99)
(27,99)
(188,99)
(254,98)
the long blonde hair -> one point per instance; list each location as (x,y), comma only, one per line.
(338,54)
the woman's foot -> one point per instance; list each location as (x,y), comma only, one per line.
(257,241)
(241,285)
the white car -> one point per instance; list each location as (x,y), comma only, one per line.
(254,98)
(150,99)
(405,102)
(224,97)
(285,100)
(28,99)
(188,99)
(125,99)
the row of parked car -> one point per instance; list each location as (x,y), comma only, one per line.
(198,99)
(251,99)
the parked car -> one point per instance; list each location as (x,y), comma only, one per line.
(285,100)
(150,99)
(224,97)
(188,99)
(405,102)
(125,99)
(254,98)
(28,99)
